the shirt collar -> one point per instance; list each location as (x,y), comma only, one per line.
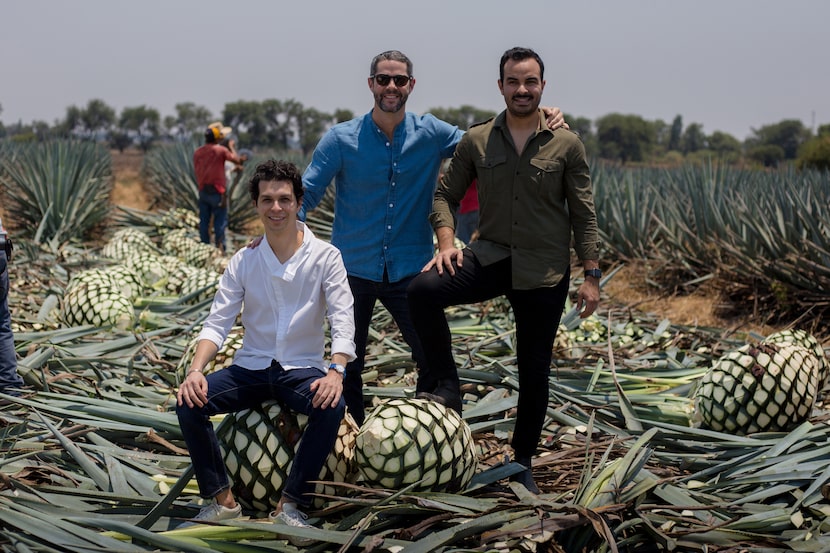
(501,121)
(287,270)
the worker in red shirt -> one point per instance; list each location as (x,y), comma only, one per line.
(209,165)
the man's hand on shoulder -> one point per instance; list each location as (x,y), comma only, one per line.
(255,242)
(554,118)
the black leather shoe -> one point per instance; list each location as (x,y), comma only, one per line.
(453,403)
(525,477)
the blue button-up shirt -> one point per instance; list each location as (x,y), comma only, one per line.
(383,191)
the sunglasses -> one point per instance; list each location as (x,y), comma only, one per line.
(383,80)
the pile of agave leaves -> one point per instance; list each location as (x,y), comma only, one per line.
(92,458)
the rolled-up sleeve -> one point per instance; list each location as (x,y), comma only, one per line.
(340,304)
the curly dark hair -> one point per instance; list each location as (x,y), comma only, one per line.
(518,54)
(276,170)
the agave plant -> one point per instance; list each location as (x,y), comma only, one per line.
(58,191)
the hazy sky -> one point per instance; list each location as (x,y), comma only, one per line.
(731,65)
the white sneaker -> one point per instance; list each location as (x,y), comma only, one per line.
(214,513)
(291,516)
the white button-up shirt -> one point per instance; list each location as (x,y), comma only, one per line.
(285,305)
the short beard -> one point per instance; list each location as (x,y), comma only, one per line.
(525,112)
(398,106)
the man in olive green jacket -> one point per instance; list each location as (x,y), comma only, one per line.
(535,193)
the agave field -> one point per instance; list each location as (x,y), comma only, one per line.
(106,301)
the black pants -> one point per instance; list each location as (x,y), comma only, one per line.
(537,313)
(393,297)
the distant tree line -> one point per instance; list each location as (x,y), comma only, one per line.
(289,125)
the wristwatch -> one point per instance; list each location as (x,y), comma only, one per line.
(336,367)
(596,273)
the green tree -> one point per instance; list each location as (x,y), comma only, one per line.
(662,134)
(293,111)
(624,137)
(141,124)
(248,121)
(723,143)
(98,118)
(693,138)
(279,124)
(788,135)
(120,140)
(585,129)
(189,122)
(675,134)
(72,123)
(824,130)
(769,155)
(815,154)
(341,115)
(311,124)
(462,117)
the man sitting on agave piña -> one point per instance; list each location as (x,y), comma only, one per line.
(287,289)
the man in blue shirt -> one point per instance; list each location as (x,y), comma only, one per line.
(385,167)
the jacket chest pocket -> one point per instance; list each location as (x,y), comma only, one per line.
(546,176)
(489,169)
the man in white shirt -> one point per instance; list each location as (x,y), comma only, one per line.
(288,290)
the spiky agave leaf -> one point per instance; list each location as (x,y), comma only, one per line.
(58,190)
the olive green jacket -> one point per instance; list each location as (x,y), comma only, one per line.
(528,204)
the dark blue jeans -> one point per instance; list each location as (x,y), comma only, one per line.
(209,206)
(234,389)
(393,297)
(10,381)
(536,312)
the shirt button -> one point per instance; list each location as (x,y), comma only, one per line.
(387,144)
(391,205)
(389,227)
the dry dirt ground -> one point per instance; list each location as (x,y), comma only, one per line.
(627,288)
(129,189)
